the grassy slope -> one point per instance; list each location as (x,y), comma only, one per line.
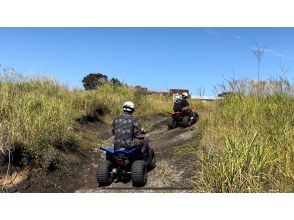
(244,143)
(42,116)
(248,143)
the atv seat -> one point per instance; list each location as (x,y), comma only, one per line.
(118,151)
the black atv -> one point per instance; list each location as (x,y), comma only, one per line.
(182,119)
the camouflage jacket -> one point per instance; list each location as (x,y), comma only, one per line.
(124,128)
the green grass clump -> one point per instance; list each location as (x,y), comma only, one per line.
(249,145)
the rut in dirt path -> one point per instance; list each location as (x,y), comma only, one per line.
(166,177)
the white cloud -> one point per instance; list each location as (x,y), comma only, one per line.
(213,33)
(225,34)
(238,37)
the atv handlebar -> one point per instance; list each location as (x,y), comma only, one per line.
(139,135)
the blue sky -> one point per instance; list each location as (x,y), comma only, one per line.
(158,58)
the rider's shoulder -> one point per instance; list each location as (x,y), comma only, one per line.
(119,117)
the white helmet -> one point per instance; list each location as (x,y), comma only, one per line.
(185,94)
(129,106)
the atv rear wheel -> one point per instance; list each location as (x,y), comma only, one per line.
(104,173)
(186,121)
(195,117)
(170,123)
(139,173)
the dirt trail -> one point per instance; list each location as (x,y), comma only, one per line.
(78,174)
(167,176)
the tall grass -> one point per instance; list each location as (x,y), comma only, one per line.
(250,141)
(34,114)
(109,99)
(257,87)
(40,115)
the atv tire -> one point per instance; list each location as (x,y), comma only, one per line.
(186,121)
(104,173)
(139,173)
(170,123)
(195,117)
(151,160)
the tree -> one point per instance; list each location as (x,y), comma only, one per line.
(259,53)
(115,81)
(94,80)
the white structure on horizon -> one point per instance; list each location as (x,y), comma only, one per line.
(205,98)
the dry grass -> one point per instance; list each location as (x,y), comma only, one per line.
(41,116)
(249,142)
(34,114)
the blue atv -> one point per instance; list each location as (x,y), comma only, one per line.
(125,165)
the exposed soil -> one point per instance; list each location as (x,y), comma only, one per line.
(77,173)
(166,177)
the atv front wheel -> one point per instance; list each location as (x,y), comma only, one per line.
(104,173)
(170,123)
(139,173)
(195,117)
(186,121)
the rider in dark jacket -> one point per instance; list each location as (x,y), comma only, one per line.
(125,129)
(177,105)
(181,104)
(184,102)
